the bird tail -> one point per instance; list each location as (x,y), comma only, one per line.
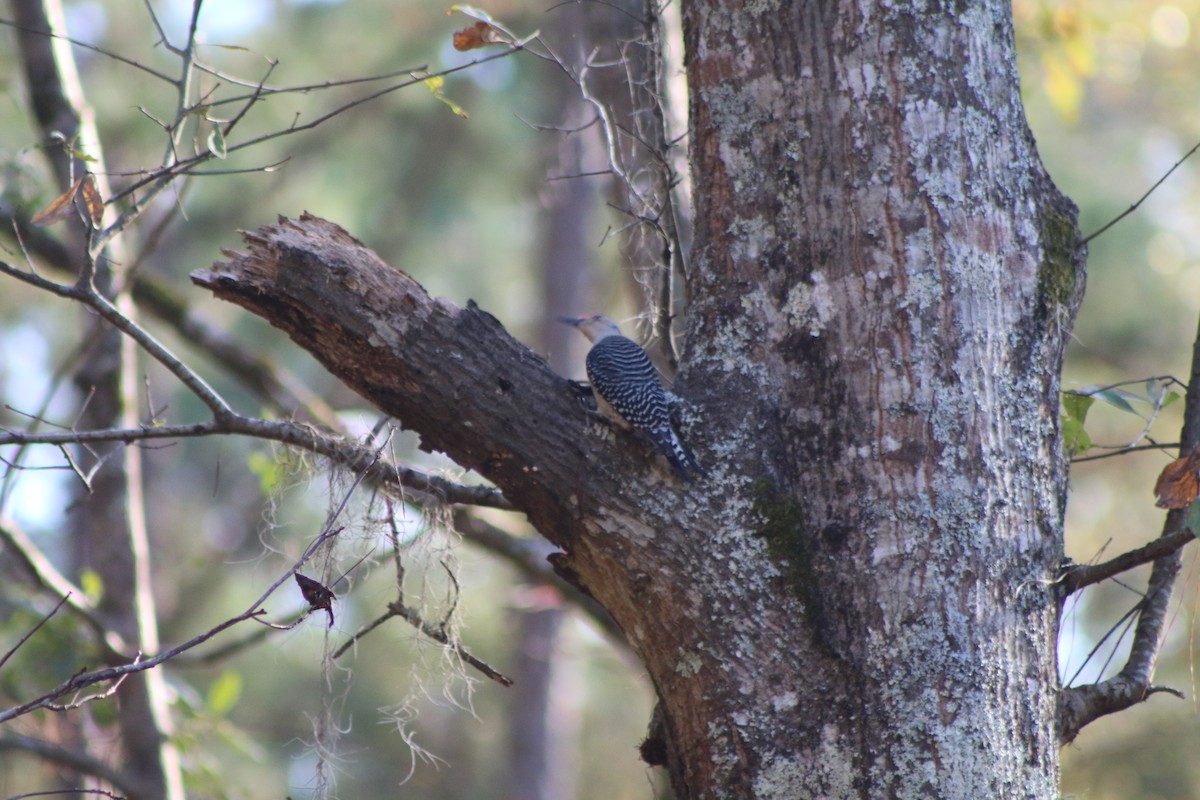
(678,453)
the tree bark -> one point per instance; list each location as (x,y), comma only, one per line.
(882,264)
(858,602)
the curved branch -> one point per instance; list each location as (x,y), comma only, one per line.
(85,292)
(1079,706)
(338,449)
(272,384)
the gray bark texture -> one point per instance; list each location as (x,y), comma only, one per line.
(858,602)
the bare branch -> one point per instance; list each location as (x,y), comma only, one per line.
(1123,450)
(158,180)
(435,632)
(162,76)
(84,292)
(1077,576)
(112,674)
(73,792)
(225,419)
(73,759)
(80,700)
(272,384)
(340,450)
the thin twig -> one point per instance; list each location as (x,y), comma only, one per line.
(32,631)
(1124,622)
(162,76)
(337,448)
(1124,449)
(84,679)
(154,183)
(1141,199)
(435,632)
(73,792)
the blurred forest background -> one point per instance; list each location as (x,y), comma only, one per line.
(470,205)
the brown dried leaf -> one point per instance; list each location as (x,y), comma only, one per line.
(64,205)
(61,208)
(478,35)
(1179,483)
(92,201)
(316,594)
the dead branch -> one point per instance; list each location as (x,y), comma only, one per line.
(453,375)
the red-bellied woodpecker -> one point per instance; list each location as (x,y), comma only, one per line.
(628,391)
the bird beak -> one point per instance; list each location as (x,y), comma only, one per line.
(573,321)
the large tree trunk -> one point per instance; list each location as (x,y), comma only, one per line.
(883,265)
(857,603)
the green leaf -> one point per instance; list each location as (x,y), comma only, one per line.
(268,471)
(1193,516)
(1171,397)
(1076,440)
(216,143)
(1116,397)
(1077,405)
(224,693)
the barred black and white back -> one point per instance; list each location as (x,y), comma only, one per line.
(626,382)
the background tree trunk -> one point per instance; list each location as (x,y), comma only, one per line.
(108,526)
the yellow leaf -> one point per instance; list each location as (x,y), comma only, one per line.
(224,693)
(434,85)
(91,584)
(1062,86)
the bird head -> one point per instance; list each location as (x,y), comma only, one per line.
(595,327)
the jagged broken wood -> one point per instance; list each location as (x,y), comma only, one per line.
(454,375)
